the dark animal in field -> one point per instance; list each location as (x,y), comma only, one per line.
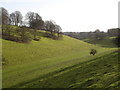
(93,51)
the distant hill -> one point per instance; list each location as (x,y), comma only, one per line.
(104,39)
(108,42)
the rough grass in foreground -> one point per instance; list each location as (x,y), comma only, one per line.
(100,72)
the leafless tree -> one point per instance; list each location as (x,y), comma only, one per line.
(50,26)
(58,30)
(5,16)
(12,19)
(34,20)
(16,18)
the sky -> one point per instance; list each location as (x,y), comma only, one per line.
(71,15)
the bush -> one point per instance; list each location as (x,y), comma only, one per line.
(36,39)
(93,51)
(11,38)
(49,35)
(26,37)
(17,34)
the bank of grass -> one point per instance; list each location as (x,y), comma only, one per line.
(99,72)
(26,62)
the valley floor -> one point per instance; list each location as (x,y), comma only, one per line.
(100,72)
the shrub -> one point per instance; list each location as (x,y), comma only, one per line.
(49,35)
(93,51)
(18,34)
(11,38)
(26,37)
(36,39)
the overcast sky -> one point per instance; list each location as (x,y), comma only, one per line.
(71,15)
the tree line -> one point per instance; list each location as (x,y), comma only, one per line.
(96,35)
(31,20)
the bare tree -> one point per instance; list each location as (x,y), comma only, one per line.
(12,19)
(30,17)
(16,18)
(58,30)
(37,22)
(34,20)
(4,15)
(47,25)
(50,26)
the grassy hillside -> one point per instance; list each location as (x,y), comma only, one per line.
(107,42)
(25,62)
(100,72)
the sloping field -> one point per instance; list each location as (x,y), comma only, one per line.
(100,72)
(26,62)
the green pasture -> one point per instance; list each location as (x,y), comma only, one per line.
(26,62)
(99,72)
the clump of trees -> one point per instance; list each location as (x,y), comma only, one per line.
(19,34)
(32,21)
(95,35)
(53,28)
(113,32)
